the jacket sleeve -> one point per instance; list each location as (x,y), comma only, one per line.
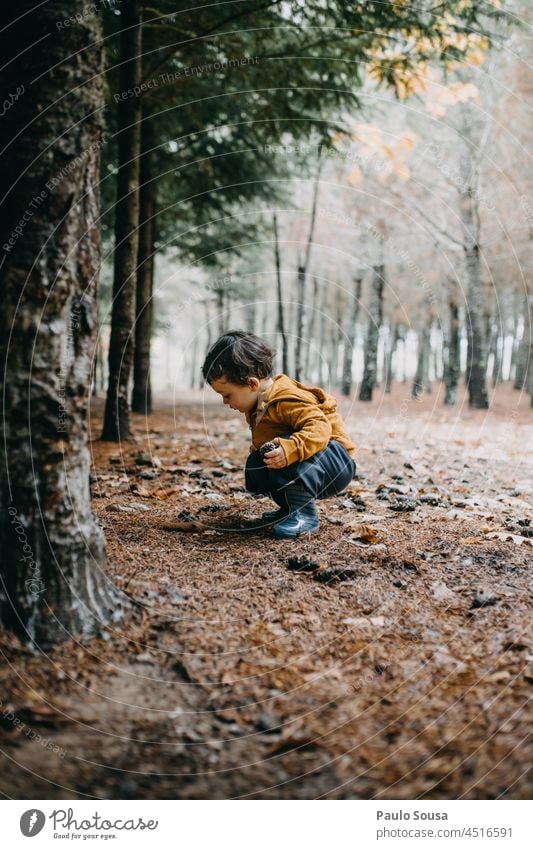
(312,430)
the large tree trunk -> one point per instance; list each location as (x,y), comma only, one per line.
(52,578)
(116,415)
(375,318)
(476,376)
(141,401)
(347,365)
(452,361)
(279,291)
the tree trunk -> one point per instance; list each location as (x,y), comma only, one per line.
(303,268)
(421,379)
(393,343)
(208,324)
(311,328)
(347,365)
(476,376)
(279,291)
(322,337)
(52,578)
(299,332)
(524,347)
(219,294)
(141,401)
(375,317)
(452,362)
(116,415)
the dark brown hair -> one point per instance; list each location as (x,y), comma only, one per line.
(238,355)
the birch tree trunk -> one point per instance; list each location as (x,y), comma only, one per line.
(375,318)
(52,570)
(116,415)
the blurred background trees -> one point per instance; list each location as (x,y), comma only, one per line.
(350,182)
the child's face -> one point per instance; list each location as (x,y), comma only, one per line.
(241,398)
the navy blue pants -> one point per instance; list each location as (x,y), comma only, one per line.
(324,474)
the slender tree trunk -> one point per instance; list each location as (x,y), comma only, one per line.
(303,268)
(52,568)
(141,401)
(220,311)
(347,365)
(116,415)
(375,318)
(421,379)
(524,347)
(393,343)
(311,327)
(279,291)
(208,324)
(300,296)
(322,336)
(194,361)
(452,361)
(497,363)
(475,319)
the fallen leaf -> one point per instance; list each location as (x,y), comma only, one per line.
(365,533)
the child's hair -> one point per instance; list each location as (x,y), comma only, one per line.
(238,355)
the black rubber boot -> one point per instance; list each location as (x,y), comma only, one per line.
(302,515)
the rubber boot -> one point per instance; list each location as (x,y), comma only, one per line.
(303,515)
(271,516)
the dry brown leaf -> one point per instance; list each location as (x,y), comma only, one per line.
(365,533)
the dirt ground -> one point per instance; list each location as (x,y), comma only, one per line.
(398,666)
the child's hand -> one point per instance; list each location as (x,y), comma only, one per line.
(275,459)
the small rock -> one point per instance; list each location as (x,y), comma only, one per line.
(147,476)
(400,584)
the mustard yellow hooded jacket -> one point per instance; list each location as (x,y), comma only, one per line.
(305,417)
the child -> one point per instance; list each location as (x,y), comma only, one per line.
(314,455)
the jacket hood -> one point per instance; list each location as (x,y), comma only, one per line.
(285,388)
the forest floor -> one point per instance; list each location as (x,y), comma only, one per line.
(401,667)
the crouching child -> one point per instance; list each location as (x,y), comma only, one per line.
(300,450)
